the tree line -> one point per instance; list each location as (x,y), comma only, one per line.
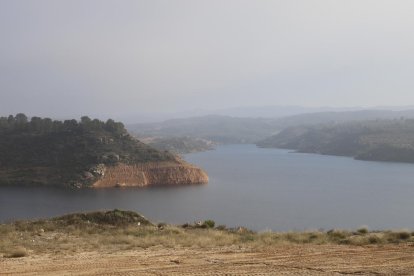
(21,123)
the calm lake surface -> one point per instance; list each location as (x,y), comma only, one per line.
(253,187)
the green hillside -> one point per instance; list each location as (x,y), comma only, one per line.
(41,151)
(180,145)
(379,140)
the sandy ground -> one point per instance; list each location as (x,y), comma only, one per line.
(278,260)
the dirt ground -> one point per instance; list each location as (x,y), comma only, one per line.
(277,260)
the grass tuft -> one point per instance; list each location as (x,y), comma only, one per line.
(17,252)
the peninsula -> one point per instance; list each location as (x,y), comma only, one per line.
(85,153)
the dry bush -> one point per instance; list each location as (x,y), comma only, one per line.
(17,252)
(362,230)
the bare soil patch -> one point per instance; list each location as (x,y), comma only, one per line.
(230,260)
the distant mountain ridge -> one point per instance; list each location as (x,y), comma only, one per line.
(220,129)
(376,140)
(267,111)
(227,129)
(344,116)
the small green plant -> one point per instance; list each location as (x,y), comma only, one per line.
(209,223)
(362,230)
(336,234)
(374,240)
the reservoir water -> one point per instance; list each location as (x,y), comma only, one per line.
(253,187)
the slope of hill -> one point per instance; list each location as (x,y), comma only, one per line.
(343,116)
(225,129)
(79,154)
(219,129)
(179,145)
(379,140)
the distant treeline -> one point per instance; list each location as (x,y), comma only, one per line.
(21,123)
(181,145)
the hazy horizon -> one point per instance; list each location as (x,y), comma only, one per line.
(125,59)
(236,112)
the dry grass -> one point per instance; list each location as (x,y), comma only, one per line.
(17,252)
(77,233)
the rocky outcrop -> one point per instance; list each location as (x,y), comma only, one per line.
(150,174)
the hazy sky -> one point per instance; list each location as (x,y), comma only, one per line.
(119,58)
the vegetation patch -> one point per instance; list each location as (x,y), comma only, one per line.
(17,252)
(180,145)
(71,153)
(362,231)
(378,140)
(122,230)
(114,218)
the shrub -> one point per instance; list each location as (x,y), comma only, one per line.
(115,218)
(362,230)
(336,234)
(403,235)
(374,239)
(185,225)
(312,236)
(161,225)
(17,253)
(221,227)
(209,223)
(345,241)
(247,237)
